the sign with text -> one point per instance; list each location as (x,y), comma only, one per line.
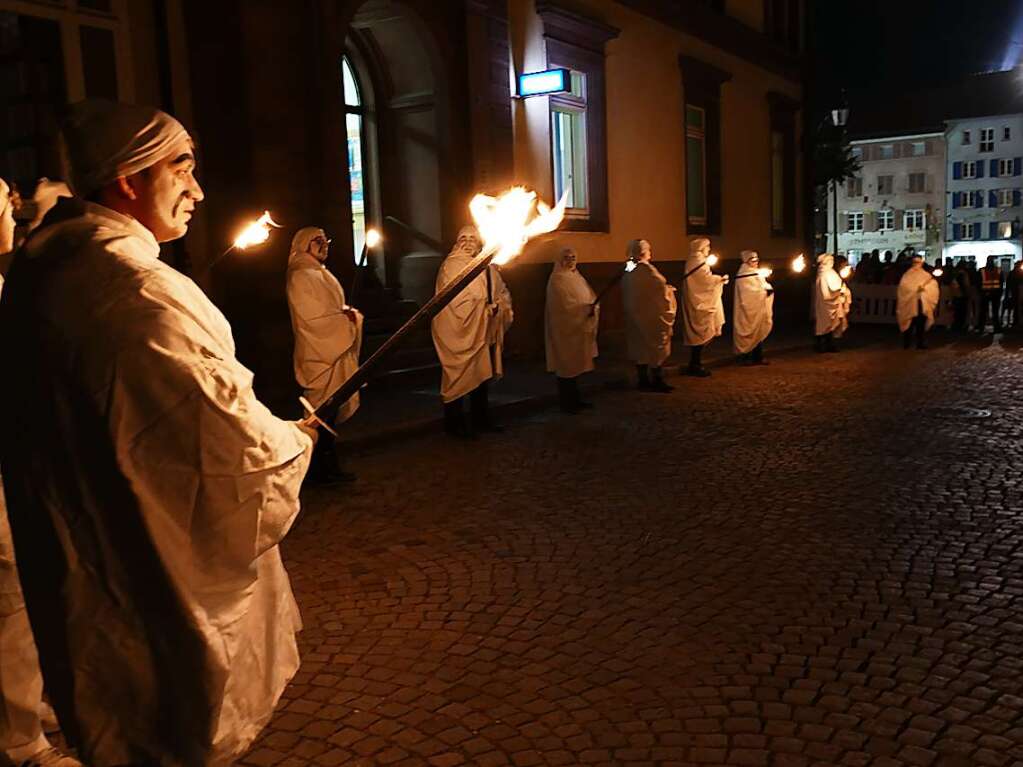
(544,83)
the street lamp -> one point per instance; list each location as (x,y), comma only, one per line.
(839,117)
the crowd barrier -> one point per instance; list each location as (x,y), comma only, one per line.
(876,303)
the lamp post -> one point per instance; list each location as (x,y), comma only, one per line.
(839,117)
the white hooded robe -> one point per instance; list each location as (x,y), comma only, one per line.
(917,290)
(649,314)
(570,323)
(148,490)
(704,313)
(468,333)
(327,342)
(753,309)
(833,300)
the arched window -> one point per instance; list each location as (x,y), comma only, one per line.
(354,118)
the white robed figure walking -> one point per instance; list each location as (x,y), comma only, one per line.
(918,296)
(832,302)
(468,335)
(752,310)
(570,328)
(650,307)
(147,487)
(703,314)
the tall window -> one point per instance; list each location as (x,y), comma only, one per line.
(354,125)
(885,184)
(918,149)
(987,139)
(969,169)
(887,151)
(696,165)
(855,220)
(854,187)
(966,137)
(1005,198)
(885,220)
(568,145)
(917,182)
(913,220)
(1005,167)
(783,164)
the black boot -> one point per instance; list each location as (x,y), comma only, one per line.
(643,377)
(818,344)
(324,467)
(568,396)
(479,410)
(658,383)
(829,343)
(454,420)
(756,357)
(696,367)
(577,395)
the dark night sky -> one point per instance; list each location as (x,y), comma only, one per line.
(894,45)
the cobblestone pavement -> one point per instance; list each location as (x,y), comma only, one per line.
(815,563)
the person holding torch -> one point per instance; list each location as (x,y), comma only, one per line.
(649,317)
(832,301)
(704,314)
(147,487)
(571,314)
(917,300)
(753,310)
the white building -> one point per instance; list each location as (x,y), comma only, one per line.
(898,198)
(984,181)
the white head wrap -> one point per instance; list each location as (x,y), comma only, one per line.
(749,255)
(104,140)
(559,266)
(466,231)
(301,242)
(695,246)
(45,197)
(825,261)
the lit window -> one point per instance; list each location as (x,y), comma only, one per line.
(1005,167)
(884,184)
(855,220)
(1005,229)
(353,124)
(917,182)
(887,151)
(854,187)
(696,165)
(1005,198)
(885,220)
(987,139)
(969,169)
(568,145)
(913,220)
(966,137)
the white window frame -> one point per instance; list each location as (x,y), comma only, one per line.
(854,187)
(1005,198)
(966,137)
(967,231)
(1006,133)
(857,216)
(914,219)
(574,105)
(921,145)
(969,169)
(885,220)
(987,140)
(1005,167)
(886,152)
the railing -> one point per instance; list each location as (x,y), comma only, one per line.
(877,304)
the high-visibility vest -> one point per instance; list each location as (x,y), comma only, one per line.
(990,278)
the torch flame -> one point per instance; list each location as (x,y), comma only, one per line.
(938,272)
(372,238)
(630,265)
(256,232)
(507,223)
(765,272)
(712,259)
(845,272)
(798,263)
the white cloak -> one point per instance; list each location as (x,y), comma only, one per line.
(147,490)
(649,314)
(753,312)
(833,300)
(570,327)
(468,333)
(916,285)
(704,313)
(327,342)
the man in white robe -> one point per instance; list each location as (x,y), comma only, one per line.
(328,339)
(704,314)
(468,335)
(147,487)
(570,329)
(917,300)
(650,307)
(22,740)
(832,301)
(752,310)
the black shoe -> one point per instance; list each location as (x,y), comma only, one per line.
(644,386)
(661,387)
(700,372)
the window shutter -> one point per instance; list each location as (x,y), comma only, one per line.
(929,183)
(1017,162)
(994,168)
(957,169)
(955,199)
(957,231)
(980,169)
(992,229)
(897,222)
(1015,197)
(992,199)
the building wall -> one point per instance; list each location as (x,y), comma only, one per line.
(871,202)
(959,214)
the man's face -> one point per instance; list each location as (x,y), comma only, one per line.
(646,253)
(754,261)
(568,259)
(469,244)
(319,246)
(704,249)
(168,193)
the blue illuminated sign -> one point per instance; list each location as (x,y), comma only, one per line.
(544,83)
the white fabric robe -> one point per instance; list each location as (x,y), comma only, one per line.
(833,300)
(916,285)
(147,490)
(570,327)
(468,333)
(704,313)
(753,310)
(327,342)
(650,308)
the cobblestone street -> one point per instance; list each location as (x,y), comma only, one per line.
(815,563)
